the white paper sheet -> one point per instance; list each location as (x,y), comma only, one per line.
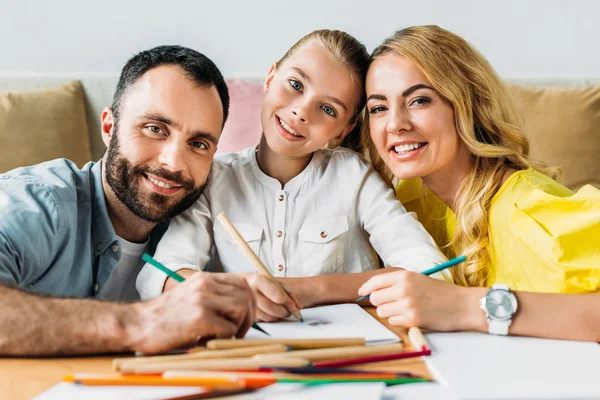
(66,390)
(419,391)
(337,321)
(482,366)
(338,391)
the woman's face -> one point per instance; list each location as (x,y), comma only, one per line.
(411,126)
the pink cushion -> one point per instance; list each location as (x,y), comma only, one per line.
(243,128)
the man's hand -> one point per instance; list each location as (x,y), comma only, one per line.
(274,300)
(206,304)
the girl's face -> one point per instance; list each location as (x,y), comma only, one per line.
(411,126)
(310,101)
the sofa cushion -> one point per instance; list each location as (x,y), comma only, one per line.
(563,127)
(43,125)
(243,127)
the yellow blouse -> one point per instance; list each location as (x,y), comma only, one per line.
(543,237)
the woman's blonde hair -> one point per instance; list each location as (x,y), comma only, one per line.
(487,122)
(353,55)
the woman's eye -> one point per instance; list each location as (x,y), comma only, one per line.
(329,110)
(199,145)
(420,101)
(296,85)
(376,109)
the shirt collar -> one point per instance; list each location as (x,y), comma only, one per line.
(103,233)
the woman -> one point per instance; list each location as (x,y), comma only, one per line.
(440,119)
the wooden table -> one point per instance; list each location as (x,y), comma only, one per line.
(23,378)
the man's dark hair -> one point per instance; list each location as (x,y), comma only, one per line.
(197,67)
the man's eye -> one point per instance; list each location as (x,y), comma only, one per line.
(199,145)
(329,110)
(296,85)
(154,129)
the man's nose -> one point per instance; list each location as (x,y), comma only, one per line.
(172,156)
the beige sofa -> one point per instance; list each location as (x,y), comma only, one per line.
(562,116)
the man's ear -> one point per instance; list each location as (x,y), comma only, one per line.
(107,125)
(270,76)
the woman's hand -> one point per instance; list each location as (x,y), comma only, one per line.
(408,298)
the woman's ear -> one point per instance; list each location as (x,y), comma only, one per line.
(270,76)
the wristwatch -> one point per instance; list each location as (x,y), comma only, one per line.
(499,305)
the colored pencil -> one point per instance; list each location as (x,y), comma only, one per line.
(430,271)
(334,371)
(153,380)
(417,340)
(207,354)
(388,382)
(365,360)
(336,353)
(260,267)
(219,344)
(172,274)
(219,364)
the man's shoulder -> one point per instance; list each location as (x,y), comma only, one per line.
(60,179)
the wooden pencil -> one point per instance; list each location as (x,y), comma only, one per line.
(260,267)
(372,359)
(220,344)
(206,354)
(417,340)
(223,364)
(337,353)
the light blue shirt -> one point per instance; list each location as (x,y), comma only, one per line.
(56,236)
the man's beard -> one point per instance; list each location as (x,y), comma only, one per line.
(123,178)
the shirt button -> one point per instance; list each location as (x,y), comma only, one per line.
(281,197)
(279,233)
(280,267)
(115,248)
(323,234)
(96,288)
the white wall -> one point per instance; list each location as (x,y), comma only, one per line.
(522,39)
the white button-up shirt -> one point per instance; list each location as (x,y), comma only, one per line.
(328,219)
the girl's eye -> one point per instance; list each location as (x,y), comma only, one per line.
(295,84)
(199,145)
(376,109)
(329,111)
(421,101)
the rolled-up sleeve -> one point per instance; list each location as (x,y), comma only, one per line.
(397,236)
(29,226)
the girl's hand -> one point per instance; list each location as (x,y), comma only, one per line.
(274,301)
(408,298)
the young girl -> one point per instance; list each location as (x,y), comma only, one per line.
(441,120)
(306,212)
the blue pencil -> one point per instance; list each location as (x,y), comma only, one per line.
(437,268)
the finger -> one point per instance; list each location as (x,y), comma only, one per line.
(231,279)
(233,308)
(268,307)
(390,309)
(296,300)
(380,281)
(261,316)
(272,290)
(215,325)
(388,294)
(248,321)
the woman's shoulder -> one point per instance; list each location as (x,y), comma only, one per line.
(521,184)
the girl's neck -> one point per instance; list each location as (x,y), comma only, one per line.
(446,182)
(279,167)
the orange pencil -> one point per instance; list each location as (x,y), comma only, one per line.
(154,380)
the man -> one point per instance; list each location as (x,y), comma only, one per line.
(69,233)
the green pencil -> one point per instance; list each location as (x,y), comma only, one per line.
(172,274)
(316,382)
(433,270)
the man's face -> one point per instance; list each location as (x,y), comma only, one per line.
(161,149)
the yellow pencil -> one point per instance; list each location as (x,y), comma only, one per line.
(221,344)
(260,267)
(417,340)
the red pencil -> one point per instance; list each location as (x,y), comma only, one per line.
(365,360)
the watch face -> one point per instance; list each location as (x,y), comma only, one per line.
(500,304)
